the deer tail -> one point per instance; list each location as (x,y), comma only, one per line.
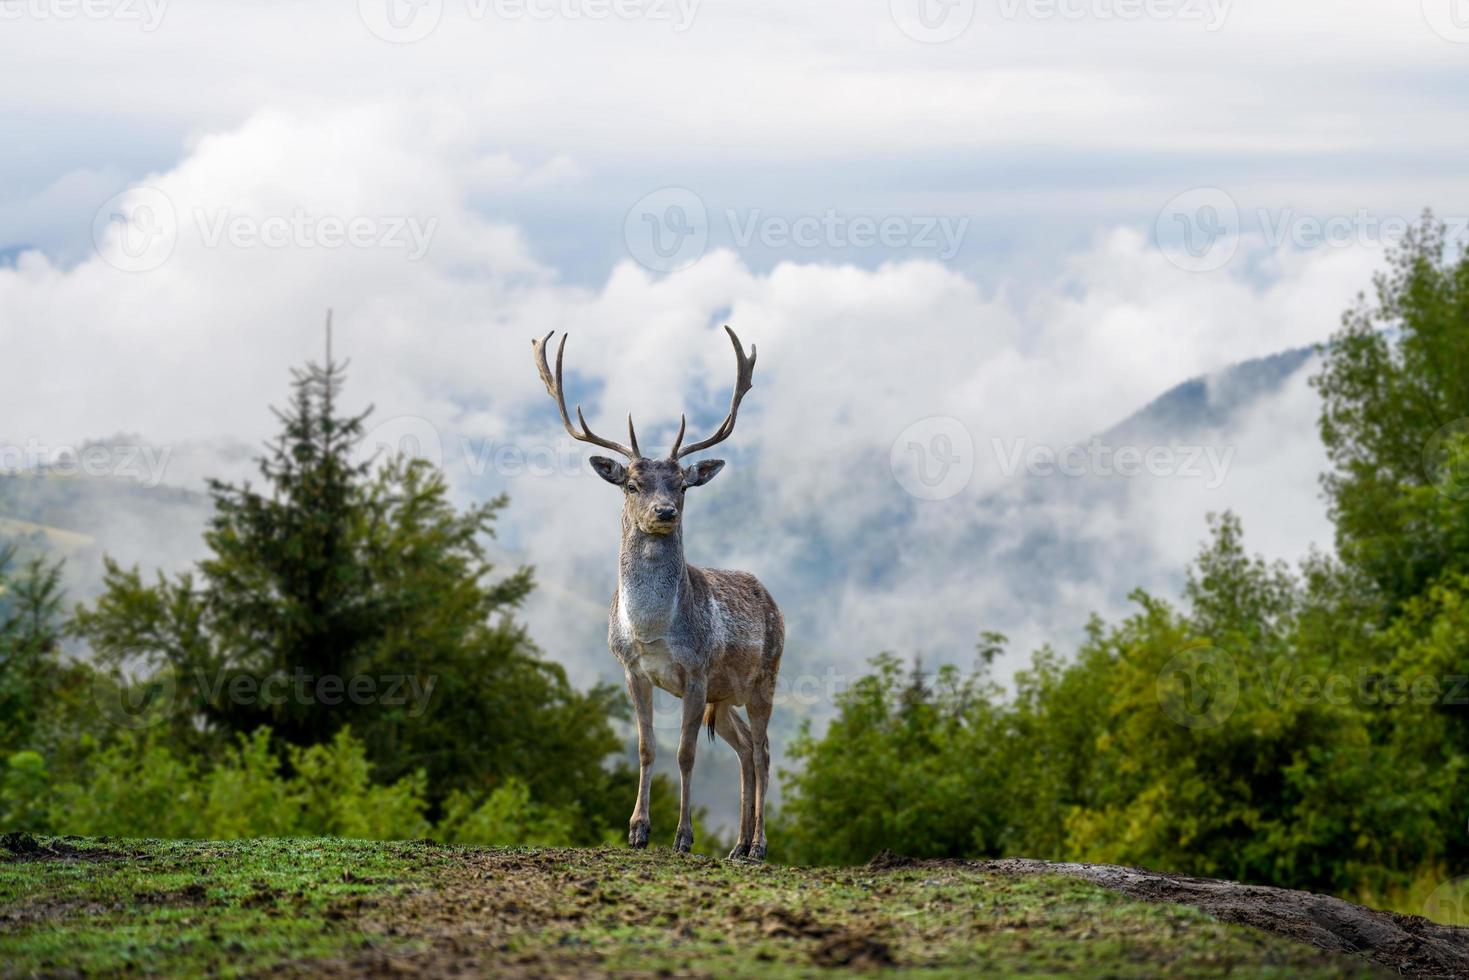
(709,713)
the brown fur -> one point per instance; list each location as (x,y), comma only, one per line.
(711,637)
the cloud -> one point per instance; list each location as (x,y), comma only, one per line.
(190,352)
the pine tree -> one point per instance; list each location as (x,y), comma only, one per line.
(338,571)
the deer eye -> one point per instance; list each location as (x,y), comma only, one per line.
(633,488)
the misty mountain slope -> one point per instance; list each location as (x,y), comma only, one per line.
(1209,404)
(82,518)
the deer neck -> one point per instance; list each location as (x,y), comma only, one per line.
(651,580)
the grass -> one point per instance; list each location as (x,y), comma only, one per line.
(336,906)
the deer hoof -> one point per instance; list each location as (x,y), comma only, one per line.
(740,851)
(757,852)
(637,835)
(683,841)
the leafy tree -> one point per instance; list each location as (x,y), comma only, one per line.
(45,701)
(1395,390)
(351,592)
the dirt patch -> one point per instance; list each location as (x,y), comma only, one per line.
(23,847)
(853,950)
(886,860)
(1408,944)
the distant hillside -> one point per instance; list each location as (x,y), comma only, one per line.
(82,518)
(1208,404)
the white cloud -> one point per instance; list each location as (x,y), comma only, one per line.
(193,351)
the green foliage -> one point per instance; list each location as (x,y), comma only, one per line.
(23,789)
(506,816)
(138,787)
(1395,394)
(883,775)
(31,674)
(1204,740)
(349,592)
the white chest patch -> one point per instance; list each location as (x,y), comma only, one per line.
(655,661)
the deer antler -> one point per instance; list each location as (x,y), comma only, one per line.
(744,372)
(558,391)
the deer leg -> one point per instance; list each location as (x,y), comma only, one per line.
(688,744)
(732,728)
(640,689)
(759,710)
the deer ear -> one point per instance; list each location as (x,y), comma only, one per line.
(702,472)
(609,469)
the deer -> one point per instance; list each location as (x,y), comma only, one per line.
(711,637)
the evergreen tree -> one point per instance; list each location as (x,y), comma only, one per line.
(350,592)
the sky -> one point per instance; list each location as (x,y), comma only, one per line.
(959,233)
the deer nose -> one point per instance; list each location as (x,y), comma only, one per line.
(664,513)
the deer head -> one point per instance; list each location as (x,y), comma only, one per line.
(653,489)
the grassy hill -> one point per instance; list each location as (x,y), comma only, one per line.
(71,906)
